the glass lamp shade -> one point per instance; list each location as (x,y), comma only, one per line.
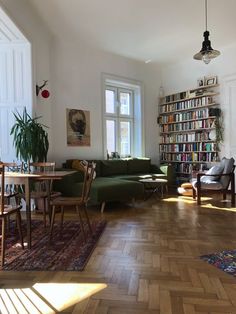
(207,52)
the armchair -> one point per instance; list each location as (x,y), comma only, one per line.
(217,179)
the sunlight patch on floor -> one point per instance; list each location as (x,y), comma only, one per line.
(185,199)
(210,206)
(46,298)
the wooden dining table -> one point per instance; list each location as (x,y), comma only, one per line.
(25,179)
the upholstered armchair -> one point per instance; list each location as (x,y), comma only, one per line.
(217,179)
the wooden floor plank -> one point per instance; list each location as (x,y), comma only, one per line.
(148,258)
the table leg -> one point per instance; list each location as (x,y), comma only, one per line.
(28,213)
(48,188)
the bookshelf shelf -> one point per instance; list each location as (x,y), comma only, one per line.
(187,121)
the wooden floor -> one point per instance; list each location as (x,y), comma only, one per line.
(147,261)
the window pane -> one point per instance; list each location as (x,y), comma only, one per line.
(125,142)
(110,101)
(125,103)
(110,130)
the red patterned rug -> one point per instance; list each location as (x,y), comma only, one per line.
(67,252)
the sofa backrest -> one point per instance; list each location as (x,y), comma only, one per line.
(139,165)
(113,167)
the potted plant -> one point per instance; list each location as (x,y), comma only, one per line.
(29,138)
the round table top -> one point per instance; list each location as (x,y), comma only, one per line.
(153,180)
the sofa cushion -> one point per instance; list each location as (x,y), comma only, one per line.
(113,167)
(215,170)
(109,189)
(208,185)
(76,164)
(139,165)
(139,176)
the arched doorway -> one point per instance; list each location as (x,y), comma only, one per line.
(15,81)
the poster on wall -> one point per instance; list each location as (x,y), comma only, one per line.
(78,127)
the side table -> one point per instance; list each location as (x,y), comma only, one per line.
(154,185)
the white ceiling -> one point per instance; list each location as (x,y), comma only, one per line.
(159,30)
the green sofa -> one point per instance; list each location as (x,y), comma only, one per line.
(116,180)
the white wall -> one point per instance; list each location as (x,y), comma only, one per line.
(77,84)
(74,74)
(32,27)
(183,76)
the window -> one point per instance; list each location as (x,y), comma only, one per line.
(122,119)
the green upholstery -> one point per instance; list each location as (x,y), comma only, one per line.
(108,189)
(113,167)
(139,165)
(116,179)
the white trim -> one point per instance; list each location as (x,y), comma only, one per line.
(137,88)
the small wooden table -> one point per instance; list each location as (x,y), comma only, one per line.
(154,185)
(25,179)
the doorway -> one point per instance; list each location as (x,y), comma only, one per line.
(15,81)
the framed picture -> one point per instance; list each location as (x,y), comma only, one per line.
(210,80)
(78,127)
(200,82)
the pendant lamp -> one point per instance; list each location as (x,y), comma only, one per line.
(207,52)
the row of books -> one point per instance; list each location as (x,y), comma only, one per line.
(191,125)
(189,147)
(193,156)
(186,137)
(187,104)
(177,96)
(190,169)
(190,115)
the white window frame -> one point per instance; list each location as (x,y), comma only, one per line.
(136,117)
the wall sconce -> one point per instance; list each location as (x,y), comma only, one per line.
(44,92)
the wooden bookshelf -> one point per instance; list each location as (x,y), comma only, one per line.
(186,122)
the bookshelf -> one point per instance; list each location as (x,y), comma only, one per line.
(187,122)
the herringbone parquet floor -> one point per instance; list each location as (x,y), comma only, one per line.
(148,258)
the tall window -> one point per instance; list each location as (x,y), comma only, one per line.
(119,120)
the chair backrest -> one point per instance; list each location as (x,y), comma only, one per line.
(12,167)
(2,174)
(89,175)
(228,165)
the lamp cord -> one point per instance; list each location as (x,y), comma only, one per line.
(206,12)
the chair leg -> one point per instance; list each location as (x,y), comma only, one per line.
(233,190)
(3,241)
(87,218)
(194,193)
(52,221)
(18,219)
(81,222)
(199,196)
(103,207)
(44,213)
(62,217)
(224,196)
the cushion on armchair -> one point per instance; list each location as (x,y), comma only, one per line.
(216,171)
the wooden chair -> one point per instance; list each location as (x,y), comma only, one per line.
(78,202)
(5,211)
(12,191)
(218,183)
(40,190)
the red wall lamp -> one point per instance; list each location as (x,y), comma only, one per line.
(44,92)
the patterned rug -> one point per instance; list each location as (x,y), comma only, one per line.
(67,252)
(225,260)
